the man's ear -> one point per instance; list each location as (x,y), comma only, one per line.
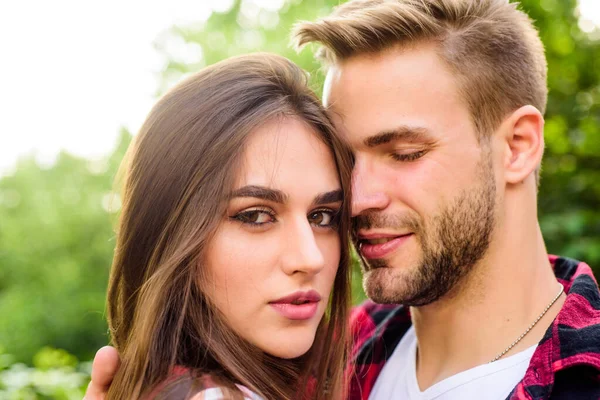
(523,134)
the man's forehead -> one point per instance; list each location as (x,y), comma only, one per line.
(331,100)
(332,74)
(369,94)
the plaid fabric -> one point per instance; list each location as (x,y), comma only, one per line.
(565,365)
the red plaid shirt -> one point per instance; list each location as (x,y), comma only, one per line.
(565,365)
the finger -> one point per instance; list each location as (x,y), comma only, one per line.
(105,366)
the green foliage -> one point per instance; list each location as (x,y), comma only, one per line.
(56,244)
(48,358)
(570,188)
(56,235)
(246,28)
(59,377)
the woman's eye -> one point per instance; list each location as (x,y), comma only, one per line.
(323,218)
(255,217)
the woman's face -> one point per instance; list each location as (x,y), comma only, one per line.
(274,257)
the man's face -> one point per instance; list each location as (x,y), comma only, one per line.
(424,187)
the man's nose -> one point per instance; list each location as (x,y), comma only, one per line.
(368,190)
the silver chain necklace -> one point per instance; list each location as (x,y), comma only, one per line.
(499,356)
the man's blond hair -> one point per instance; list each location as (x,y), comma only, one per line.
(490,46)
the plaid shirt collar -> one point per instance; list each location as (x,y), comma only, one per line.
(565,364)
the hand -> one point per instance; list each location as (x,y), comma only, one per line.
(105,366)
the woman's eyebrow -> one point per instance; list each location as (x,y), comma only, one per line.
(277,196)
(328,197)
(260,192)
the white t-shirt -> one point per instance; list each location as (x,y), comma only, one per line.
(493,381)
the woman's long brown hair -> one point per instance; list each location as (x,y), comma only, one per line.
(178,173)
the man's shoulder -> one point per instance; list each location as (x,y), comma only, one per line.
(377,329)
(377,325)
(566,363)
(569,271)
(576,330)
(578,322)
(368,315)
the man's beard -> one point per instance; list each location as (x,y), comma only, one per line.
(452,243)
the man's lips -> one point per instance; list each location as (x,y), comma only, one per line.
(298,305)
(379,245)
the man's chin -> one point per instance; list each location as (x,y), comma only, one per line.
(384,285)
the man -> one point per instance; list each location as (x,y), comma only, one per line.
(442,102)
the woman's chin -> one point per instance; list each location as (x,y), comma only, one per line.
(289,353)
(289,346)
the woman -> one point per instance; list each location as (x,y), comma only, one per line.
(230,274)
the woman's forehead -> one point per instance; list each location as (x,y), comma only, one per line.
(286,154)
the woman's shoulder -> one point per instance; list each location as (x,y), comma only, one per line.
(184,385)
(210,394)
(216,393)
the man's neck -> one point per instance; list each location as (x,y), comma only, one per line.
(505,293)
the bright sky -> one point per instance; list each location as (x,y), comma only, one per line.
(73,72)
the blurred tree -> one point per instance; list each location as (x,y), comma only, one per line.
(55,251)
(569,196)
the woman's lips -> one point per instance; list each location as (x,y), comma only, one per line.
(296,312)
(298,306)
(373,249)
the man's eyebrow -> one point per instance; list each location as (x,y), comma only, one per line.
(260,192)
(406,133)
(328,197)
